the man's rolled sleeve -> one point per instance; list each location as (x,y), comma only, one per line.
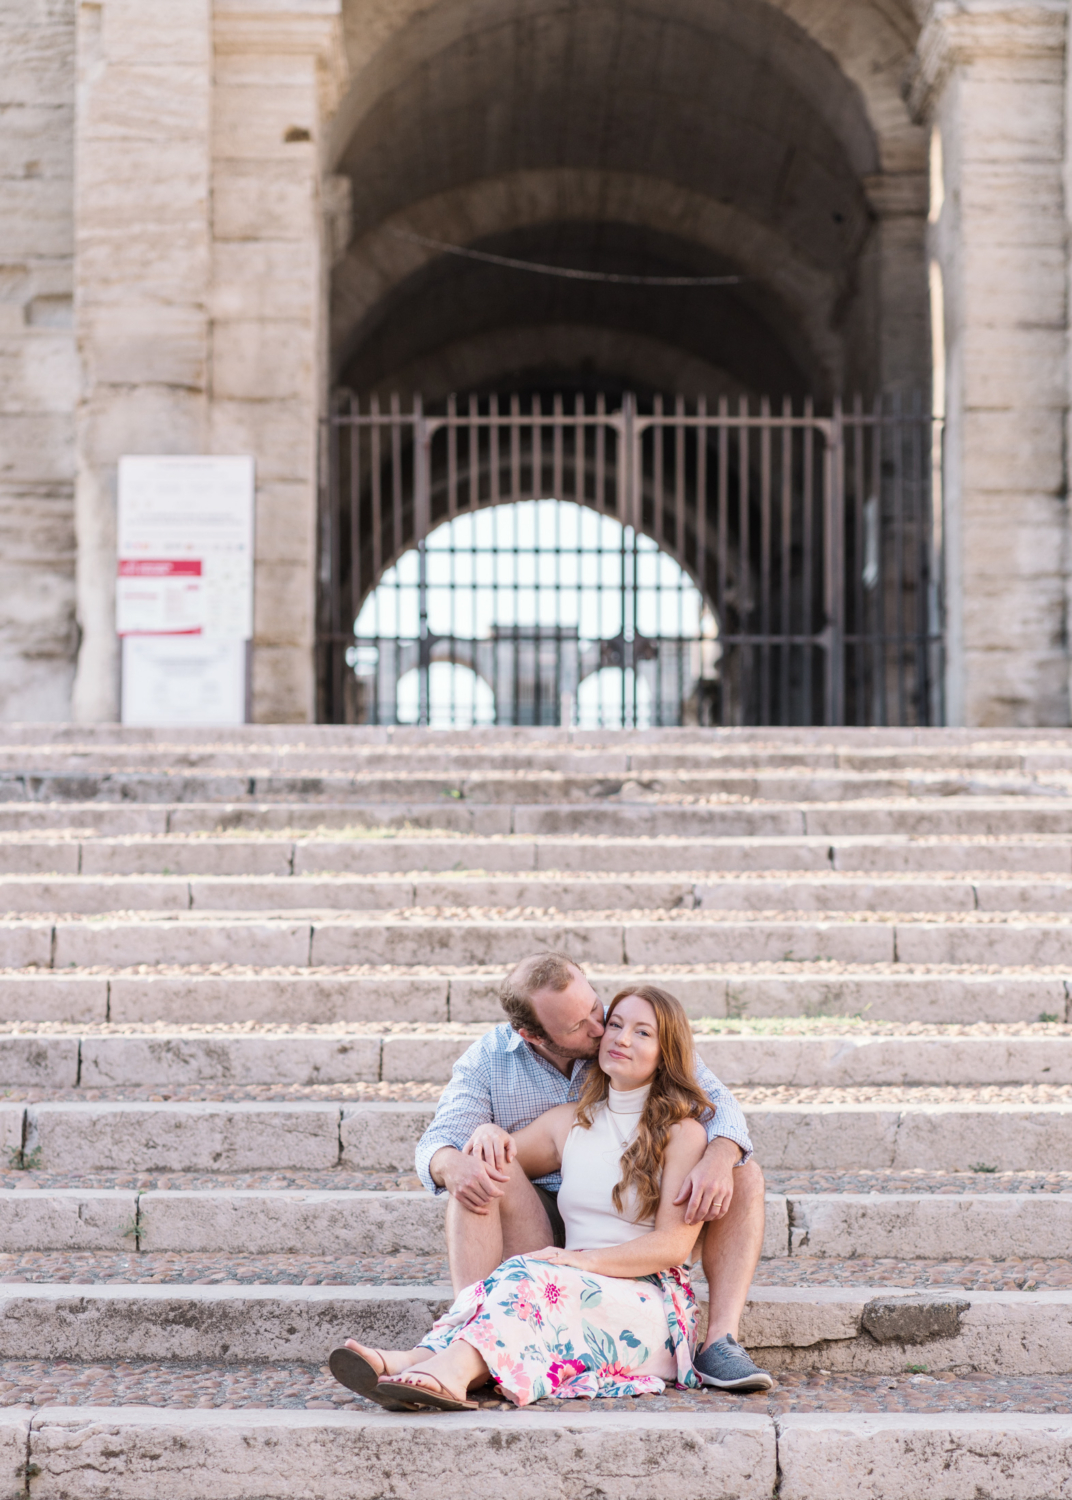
(728,1119)
(465,1104)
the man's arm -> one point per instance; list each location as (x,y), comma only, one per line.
(728,1120)
(709,1187)
(465,1104)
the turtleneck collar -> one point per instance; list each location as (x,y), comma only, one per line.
(627,1101)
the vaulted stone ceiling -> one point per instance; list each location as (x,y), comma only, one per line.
(654,137)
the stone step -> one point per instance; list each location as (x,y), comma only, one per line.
(500,936)
(859,1330)
(380,1137)
(161,1058)
(346,1222)
(613,757)
(267,855)
(896,992)
(701,1445)
(910,893)
(533,786)
(651,816)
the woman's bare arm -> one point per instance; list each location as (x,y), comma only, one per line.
(670,1242)
(538,1148)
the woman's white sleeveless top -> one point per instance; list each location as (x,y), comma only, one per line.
(592,1168)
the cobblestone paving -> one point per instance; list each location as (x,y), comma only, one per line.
(47,1383)
(757,1026)
(971,1096)
(339,1179)
(130,1267)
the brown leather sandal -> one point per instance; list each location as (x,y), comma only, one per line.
(406,1387)
(355,1372)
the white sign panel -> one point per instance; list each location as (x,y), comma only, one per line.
(184,590)
(175,512)
(170,680)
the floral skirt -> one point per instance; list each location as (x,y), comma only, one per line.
(546,1330)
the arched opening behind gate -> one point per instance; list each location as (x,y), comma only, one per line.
(721,567)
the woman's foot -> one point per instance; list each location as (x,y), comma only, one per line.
(387,1361)
(417,1387)
(361,1369)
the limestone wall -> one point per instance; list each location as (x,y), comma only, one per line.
(37,364)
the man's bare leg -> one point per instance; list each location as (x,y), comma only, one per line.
(731,1251)
(515,1224)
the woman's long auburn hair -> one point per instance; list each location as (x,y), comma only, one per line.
(675,1095)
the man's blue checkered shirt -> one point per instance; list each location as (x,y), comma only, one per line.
(502,1080)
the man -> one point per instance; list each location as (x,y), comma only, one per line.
(540,1059)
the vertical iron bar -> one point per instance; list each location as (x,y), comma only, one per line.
(421,519)
(744,581)
(784,715)
(880,652)
(856,566)
(452,457)
(679,482)
(765,560)
(396,471)
(899,524)
(808,550)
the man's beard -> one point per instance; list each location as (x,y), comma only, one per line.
(574,1054)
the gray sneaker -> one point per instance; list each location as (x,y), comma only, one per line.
(727,1367)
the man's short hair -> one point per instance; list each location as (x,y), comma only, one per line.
(540,971)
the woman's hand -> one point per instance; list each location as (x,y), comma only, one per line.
(492,1145)
(580,1260)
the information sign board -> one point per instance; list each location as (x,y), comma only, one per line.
(185,573)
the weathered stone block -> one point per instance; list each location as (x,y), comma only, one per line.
(296,1455)
(183,1137)
(263,200)
(66,1219)
(259,360)
(896,1457)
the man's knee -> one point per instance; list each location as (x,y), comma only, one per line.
(749,1183)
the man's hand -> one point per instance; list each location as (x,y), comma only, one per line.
(708,1188)
(469,1179)
(492,1145)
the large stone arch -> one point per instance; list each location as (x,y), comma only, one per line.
(768,140)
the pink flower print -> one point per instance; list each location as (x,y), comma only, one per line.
(616,1371)
(522,1310)
(514,1379)
(564,1369)
(553,1293)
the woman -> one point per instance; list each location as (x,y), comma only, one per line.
(613,1314)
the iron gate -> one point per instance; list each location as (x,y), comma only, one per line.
(800,555)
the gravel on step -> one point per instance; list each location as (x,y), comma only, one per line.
(332,1179)
(862,1096)
(747,1026)
(340,1179)
(916,1180)
(214,1093)
(155,1267)
(171,1384)
(80,1268)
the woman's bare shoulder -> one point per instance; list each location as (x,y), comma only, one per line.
(688,1135)
(558,1119)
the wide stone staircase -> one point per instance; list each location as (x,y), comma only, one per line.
(237,967)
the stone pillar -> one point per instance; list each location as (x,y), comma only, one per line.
(278,75)
(142,155)
(899,203)
(990,80)
(37,364)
